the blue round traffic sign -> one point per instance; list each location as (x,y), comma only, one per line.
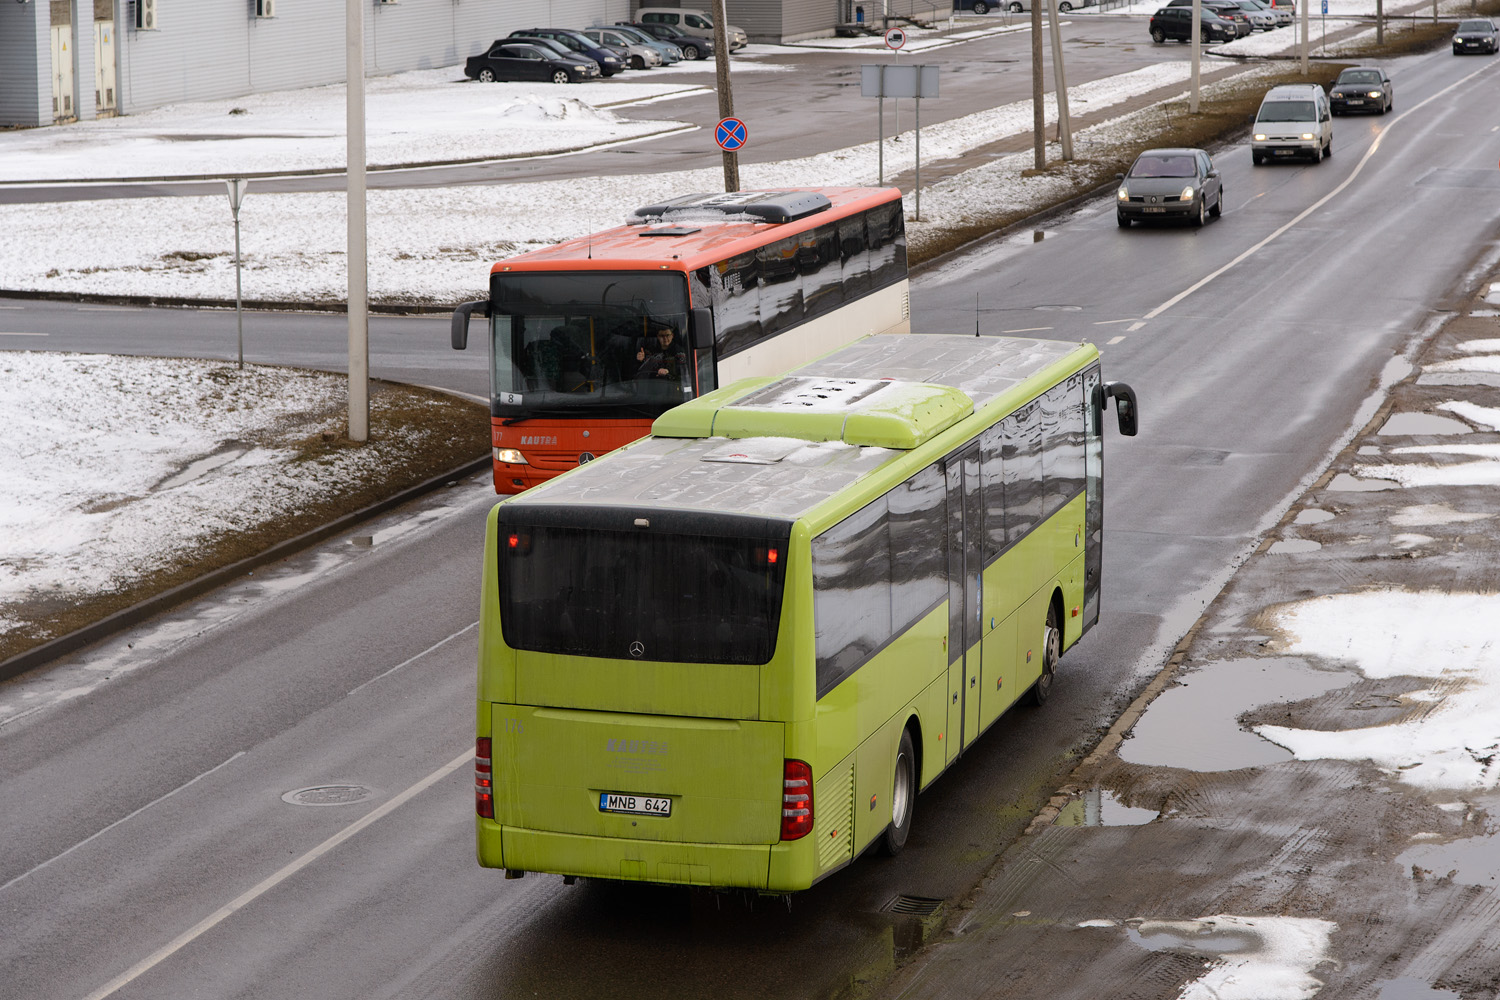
(731,134)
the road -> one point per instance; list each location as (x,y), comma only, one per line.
(148,844)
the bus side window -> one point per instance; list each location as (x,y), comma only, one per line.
(854,257)
(1022,455)
(818,261)
(1062,442)
(737,303)
(918,573)
(887,228)
(781,287)
(992,475)
(852,593)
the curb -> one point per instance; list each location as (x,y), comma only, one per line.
(260,305)
(184,592)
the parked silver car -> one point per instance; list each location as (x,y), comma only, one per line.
(637,54)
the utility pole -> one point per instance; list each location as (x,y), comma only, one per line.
(1038,109)
(1198,53)
(1060,77)
(358,255)
(726,98)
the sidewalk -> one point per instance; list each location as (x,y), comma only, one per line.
(1300,802)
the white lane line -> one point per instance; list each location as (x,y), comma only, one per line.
(1135,326)
(122,819)
(250,895)
(1113,341)
(9,333)
(1315,205)
(414,659)
(105,309)
(1111,322)
(1029,329)
(12,307)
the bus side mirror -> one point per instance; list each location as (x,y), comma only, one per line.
(1126,411)
(461,321)
(701,329)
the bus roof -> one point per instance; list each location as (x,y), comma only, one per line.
(693,231)
(746,449)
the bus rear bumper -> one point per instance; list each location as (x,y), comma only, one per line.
(744,866)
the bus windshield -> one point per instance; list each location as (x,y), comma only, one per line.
(642,595)
(589,343)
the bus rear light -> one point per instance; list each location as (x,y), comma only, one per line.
(518,543)
(484,789)
(796,800)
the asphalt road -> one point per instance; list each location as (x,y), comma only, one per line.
(147,841)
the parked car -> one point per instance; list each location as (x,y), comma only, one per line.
(1283,15)
(636,53)
(512,60)
(1229,10)
(1294,120)
(692,22)
(609,62)
(670,53)
(1476,35)
(1362,88)
(1261,18)
(1177,23)
(692,46)
(1021,6)
(1169,184)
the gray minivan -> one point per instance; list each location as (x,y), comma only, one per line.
(1294,120)
(691,22)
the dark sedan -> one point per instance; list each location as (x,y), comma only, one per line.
(692,46)
(610,62)
(1362,88)
(514,60)
(1177,22)
(1476,35)
(1169,184)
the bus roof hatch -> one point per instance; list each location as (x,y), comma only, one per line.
(767,206)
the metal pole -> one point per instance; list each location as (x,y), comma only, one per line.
(880,144)
(1303,5)
(239,301)
(1379,22)
(1198,53)
(726,97)
(918,100)
(1064,127)
(358,255)
(1038,110)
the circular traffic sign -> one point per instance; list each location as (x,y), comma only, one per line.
(731,134)
(895,38)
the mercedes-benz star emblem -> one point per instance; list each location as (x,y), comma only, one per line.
(585,458)
(638,648)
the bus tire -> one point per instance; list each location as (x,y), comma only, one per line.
(903,797)
(1051,652)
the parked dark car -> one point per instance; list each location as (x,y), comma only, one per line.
(1229,10)
(1362,88)
(610,62)
(1169,184)
(1177,23)
(1476,35)
(692,46)
(514,60)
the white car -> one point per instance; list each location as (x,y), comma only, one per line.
(1063,6)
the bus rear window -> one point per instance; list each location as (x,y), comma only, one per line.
(640,595)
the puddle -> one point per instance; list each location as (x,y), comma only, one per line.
(1345,483)
(200,468)
(1264,958)
(1411,989)
(1473,861)
(1100,807)
(1313,515)
(1423,423)
(1196,939)
(1193,726)
(1294,545)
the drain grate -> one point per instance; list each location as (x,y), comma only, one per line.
(921,906)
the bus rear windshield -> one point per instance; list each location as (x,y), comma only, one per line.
(590,341)
(640,595)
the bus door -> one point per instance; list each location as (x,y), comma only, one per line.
(965,566)
(1093,494)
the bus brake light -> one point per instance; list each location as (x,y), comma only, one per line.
(796,800)
(484,791)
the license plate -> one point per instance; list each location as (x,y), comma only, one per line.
(1356,100)
(635,805)
(1283,152)
(1153,210)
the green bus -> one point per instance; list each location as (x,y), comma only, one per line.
(731,653)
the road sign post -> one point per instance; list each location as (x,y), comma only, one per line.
(731,135)
(880,80)
(237,188)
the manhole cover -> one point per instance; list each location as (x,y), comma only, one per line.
(327,795)
(919,905)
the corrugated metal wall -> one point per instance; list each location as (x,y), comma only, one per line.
(25,64)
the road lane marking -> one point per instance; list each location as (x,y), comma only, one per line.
(1110,322)
(1358,168)
(1135,326)
(1029,329)
(1113,341)
(122,819)
(9,333)
(413,659)
(250,895)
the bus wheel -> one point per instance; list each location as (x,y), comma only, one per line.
(1051,651)
(903,797)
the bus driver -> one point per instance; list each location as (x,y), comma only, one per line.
(662,359)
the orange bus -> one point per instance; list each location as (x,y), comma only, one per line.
(592,339)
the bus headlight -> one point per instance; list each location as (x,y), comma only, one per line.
(510,456)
